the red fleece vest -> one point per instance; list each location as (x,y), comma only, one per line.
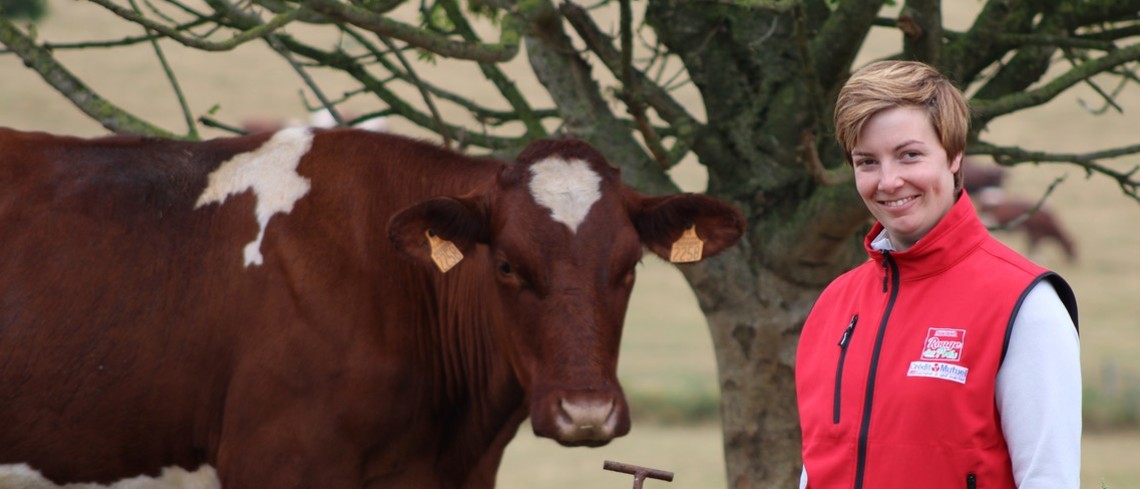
(897,362)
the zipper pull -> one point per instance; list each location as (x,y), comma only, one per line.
(847,332)
(886,269)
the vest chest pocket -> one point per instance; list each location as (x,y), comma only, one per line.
(843,342)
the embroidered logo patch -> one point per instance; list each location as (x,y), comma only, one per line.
(944,344)
(938,370)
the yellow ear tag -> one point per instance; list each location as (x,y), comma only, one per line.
(443,252)
(688,247)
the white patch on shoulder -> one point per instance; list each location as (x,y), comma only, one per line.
(271,172)
(24,477)
(568,188)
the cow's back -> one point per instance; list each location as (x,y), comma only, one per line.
(161,296)
(109,298)
(268,305)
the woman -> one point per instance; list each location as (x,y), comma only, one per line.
(947,360)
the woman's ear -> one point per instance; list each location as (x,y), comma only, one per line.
(957,167)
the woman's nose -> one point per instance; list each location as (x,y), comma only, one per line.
(890,177)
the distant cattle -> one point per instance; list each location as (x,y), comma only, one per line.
(273,309)
(1000,210)
(977,176)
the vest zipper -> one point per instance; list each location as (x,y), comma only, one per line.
(886,271)
(891,270)
(843,342)
(971,481)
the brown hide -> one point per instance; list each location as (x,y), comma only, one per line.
(1016,213)
(135,334)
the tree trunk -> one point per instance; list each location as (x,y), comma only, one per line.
(755,319)
(761,98)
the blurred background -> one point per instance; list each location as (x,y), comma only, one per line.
(667,363)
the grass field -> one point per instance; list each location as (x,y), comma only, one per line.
(667,355)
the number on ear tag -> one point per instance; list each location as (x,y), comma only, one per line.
(443,252)
(688,247)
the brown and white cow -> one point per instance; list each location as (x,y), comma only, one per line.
(269,308)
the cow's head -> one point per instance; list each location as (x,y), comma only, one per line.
(561,236)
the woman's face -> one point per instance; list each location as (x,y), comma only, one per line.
(902,173)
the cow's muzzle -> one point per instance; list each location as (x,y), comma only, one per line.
(584,421)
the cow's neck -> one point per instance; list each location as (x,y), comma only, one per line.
(477,395)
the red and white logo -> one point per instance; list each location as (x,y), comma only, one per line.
(944,344)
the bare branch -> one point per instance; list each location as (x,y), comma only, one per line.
(967,55)
(1017,221)
(631,92)
(986,110)
(1010,156)
(1010,41)
(601,45)
(838,41)
(275,43)
(1109,100)
(1113,34)
(350,66)
(441,128)
(658,98)
(480,113)
(505,50)
(99,109)
(567,78)
(922,41)
(817,96)
(216,124)
(191,128)
(176,34)
(126,41)
(524,112)
(811,161)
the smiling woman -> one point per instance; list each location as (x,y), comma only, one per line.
(904,174)
(946,387)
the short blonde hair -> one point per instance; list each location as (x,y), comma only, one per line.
(887,84)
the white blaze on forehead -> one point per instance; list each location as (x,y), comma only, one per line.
(568,188)
(271,172)
(23,477)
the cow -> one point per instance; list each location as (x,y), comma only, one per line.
(1002,211)
(978,176)
(316,308)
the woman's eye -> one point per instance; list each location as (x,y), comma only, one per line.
(505,268)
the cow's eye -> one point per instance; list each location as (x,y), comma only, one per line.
(505,268)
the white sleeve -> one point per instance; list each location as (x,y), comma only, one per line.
(1038,394)
(803,478)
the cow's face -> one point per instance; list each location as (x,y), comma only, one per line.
(562,237)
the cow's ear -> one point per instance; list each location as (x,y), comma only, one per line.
(438,231)
(686,227)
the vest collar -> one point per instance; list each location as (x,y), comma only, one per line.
(954,237)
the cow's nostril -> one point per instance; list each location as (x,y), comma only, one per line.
(586,420)
(587,413)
